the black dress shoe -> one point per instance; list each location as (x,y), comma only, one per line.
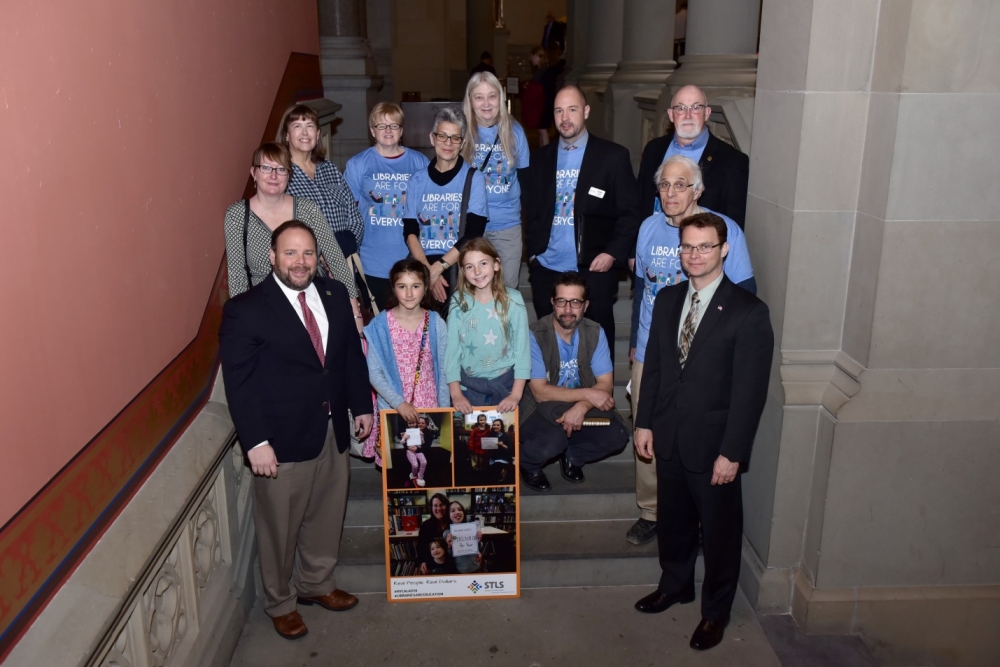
(570,472)
(708,634)
(656,602)
(642,531)
(536,479)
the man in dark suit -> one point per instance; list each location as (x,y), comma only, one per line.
(704,384)
(725,171)
(293,365)
(581,211)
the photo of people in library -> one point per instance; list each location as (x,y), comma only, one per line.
(485,448)
(457,531)
(419,457)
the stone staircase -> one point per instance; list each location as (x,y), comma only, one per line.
(573,535)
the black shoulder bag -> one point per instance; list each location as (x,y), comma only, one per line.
(246,224)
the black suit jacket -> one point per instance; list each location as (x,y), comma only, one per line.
(602,224)
(725,172)
(711,406)
(276,388)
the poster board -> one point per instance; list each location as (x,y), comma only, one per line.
(450,477)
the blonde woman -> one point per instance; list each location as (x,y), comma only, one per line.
(497,147)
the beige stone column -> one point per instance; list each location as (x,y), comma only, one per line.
(604,50)
(349,74)
(647,60)
(720,49)
(873,222)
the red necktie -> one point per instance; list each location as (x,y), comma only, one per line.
(313,328)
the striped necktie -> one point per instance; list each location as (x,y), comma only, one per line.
(687,331)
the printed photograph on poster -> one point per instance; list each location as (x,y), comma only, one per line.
(452,531)
(418,457)
(484,447)
(451,505)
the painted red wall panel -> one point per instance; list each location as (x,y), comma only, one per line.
(126,129)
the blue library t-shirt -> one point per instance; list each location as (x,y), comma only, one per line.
(693,150)
(658,264)
(502,188)
(560,255)
(379,186)
(569,371)
(438,208)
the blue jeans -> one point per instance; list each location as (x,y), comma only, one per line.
(487,391)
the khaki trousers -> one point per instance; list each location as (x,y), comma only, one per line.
(645,470)
(299,518)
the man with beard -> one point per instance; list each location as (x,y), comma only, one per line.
(724,169)
(293,365)
(572,379)
(581,211)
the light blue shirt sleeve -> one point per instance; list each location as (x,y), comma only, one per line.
(519,335)
(523,151)
(600,362)
(477,197)
(353,174)
(737,266)
(537,363)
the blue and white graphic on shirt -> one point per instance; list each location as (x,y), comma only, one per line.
(502,188)
(658,264)
(438,209)
(379,186)
(693,150)
(569,369)
(561,253)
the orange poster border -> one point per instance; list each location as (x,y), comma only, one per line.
(516,483)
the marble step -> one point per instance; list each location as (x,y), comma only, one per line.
(553,554)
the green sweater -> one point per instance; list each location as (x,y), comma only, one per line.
(477,342)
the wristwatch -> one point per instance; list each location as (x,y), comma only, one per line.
(444,264)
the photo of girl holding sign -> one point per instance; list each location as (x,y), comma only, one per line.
(466,563)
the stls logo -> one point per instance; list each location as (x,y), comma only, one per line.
(494,585)
(475,587)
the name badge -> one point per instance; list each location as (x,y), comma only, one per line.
(596,192)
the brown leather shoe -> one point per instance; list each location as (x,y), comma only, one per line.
(335,600)
(290,626)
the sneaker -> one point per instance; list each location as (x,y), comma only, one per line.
(421,482)
(412,476)
(642,531)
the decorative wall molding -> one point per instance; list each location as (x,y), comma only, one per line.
(819,377)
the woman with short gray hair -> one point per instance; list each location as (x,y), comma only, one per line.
(434,226)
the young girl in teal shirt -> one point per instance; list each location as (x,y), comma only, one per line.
(488,355)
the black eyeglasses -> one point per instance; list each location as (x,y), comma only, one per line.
(702,249)
(448,138)
(575,304)
(387,126)
(267,169)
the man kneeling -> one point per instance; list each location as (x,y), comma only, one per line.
(572,378)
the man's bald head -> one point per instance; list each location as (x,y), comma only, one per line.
(689,111)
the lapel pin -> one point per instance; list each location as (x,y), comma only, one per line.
(709,158)
(720,307)
(329,293)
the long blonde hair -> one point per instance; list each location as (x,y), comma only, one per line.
(501,302)
(505,124)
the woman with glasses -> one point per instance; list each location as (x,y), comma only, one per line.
(249,223)
(497,146)
(378,178)
(432,218)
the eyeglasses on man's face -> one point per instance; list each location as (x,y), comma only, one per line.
(266,169)
(683,108)
(702,249)
(381,127)
(448,138)
(680,186)
(575,304)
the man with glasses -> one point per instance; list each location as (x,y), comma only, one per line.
(705,379)
(568,410)
(726,170)
(581,211)
(657,266)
